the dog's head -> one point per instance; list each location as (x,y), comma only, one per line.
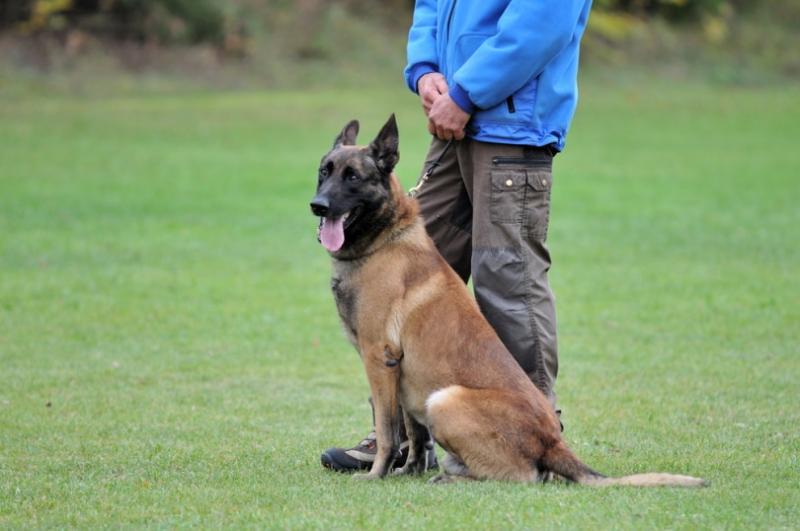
(354,194)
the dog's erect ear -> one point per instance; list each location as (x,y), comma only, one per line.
(384,148)
(348,135)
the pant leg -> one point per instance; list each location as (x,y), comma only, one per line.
(446,207)
(510,261)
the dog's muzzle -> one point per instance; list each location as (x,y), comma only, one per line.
(320,206)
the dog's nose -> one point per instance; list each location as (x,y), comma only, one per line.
(320,206)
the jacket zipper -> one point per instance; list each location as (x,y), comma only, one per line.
(450,18)
(510,105)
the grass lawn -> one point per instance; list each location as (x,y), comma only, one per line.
(170,354)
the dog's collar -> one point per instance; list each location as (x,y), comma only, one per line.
(353,258)
(393,237)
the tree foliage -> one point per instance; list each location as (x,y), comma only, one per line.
(299,26)
(191,21)
(169,21)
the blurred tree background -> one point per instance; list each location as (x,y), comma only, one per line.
(284,43)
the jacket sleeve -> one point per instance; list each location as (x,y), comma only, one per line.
(421,49)
(530,33)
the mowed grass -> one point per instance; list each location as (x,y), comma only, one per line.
(170,355)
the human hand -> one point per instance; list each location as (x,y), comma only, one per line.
(447,120)
(431,86)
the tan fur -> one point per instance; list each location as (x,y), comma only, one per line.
(454,374)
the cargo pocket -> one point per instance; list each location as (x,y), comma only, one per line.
(537,203)
(507,196)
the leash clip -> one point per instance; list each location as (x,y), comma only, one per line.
(427,175)
(412,192)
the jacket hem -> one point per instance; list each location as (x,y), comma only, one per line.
(505,134)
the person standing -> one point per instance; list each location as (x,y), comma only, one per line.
(497,80)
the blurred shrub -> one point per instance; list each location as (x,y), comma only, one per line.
(281,35)
(730,40)
(675,10)
(193,21)
(166,21)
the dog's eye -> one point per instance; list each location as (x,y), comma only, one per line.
(350,175)
(323,172)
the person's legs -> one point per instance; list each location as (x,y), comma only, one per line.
(511,207)
(446,206)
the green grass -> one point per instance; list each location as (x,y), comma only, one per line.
(170,354)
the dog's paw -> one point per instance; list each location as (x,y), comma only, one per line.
(441,479)
(410,469)
(445,478)
(552,477)
(404,470)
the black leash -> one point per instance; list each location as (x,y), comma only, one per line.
(429,172)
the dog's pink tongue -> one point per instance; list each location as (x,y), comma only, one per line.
(332,233)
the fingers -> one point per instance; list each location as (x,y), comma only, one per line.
(431,87)
(444,131)
(427,87)
(441,85)
(445,119)
(427,103)
(428,97)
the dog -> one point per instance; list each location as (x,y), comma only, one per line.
(424,343)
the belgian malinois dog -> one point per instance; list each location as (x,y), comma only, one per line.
(424,343)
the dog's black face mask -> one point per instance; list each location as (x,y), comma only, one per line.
(353,191)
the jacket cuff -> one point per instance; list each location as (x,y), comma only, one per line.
(419,70)
(461,98)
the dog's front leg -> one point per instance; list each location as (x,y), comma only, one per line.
(383,373)
(420,446)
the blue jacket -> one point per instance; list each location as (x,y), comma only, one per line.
(512,64)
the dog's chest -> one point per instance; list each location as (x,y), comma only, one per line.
(346,297)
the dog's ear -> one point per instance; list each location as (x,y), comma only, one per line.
(348,135)
(384,148)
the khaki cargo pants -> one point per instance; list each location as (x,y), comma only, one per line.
(487,208)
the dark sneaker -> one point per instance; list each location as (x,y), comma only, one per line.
(361,456)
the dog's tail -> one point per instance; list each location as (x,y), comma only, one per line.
(561,460)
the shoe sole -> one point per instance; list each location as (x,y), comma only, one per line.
(330,463)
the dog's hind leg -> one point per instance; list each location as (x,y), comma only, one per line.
(453,470)
(454,466)
(487,431)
